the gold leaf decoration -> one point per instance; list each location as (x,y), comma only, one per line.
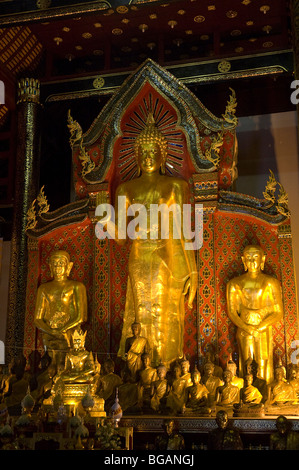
(212,154)
(283,201)
(87,164)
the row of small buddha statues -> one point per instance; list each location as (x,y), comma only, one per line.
(141,388)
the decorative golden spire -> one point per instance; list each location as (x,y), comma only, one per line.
(230,110)
(42,202)
(31,217)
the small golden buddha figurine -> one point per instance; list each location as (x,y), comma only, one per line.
(211,356)
(147,376)
(254,304)
(197,394)
(161,269)
(136,345)
(284,438)
(186,374)
(170,439)
(280,392)
(237,381)
(159,390)
(79,363)
(227,394)
(61,306)
(211,382)
(176,399)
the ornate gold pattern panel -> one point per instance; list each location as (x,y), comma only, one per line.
(19,49)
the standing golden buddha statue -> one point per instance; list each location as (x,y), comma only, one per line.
(61,306)
(254,303)
(160,269)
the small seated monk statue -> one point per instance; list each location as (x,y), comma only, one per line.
(176,400)
(197,394)
(252,368)
(227,395)
(249,394)
(108,383)
(211,382)
(250,399)
(147,376)
(159,390)
(280,393)
(135,346)
(61,306)
(284,438)
(225,436)
(169,439)
(79,363)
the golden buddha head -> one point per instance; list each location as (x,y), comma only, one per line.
(161,371)
(185,365)
(150,148)
(60,264)
(196,376)
(78,338)
(136,328)
(248,379)
(227,376)
(253,258)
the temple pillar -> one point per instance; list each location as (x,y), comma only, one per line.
(294,7)
(26,188)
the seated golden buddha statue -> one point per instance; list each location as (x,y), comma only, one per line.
(79,363)
(237,381)
(281,394)
(211,382)
(186,374)
(211,356)
(159,390)
(177,397)
(61,306)
(161,270)
(227,395)
(254,303)
(197,395)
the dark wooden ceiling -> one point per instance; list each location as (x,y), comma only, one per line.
(120,35)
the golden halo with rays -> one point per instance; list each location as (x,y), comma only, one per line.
(165,122)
